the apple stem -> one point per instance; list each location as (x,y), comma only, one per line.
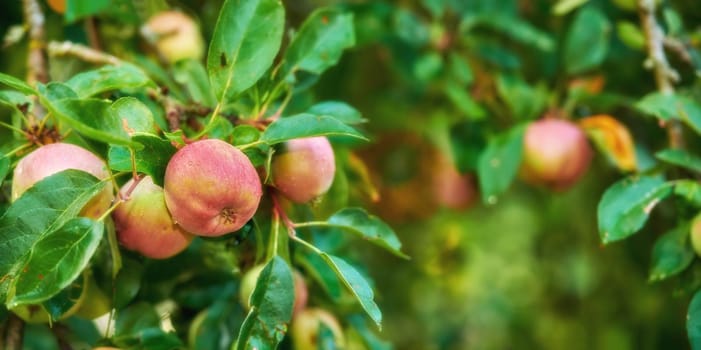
(277,210)
(131,188)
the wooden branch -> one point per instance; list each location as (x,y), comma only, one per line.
(83,52)
(14,335)
(37,69)
(665,75)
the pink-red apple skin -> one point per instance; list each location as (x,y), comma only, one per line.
(211,188)
(56,157)
(556,153)
(451,189)
(144,224)
(304,169)
(250,278)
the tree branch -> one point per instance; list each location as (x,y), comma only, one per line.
(37,71)
(13,337)
(83,52)
(665,75)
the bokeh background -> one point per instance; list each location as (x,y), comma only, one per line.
(526,270)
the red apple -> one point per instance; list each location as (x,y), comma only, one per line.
(452,189)
(53,158)
(211,188)
(144,224)
(556,153)
(304,169)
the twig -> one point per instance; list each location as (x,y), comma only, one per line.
(83,52)
(665,75)
(37,71)
(93,34)
(15,333)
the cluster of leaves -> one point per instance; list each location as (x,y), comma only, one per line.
(246,94)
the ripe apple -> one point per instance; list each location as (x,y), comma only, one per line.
(53,158)
(305,328)
(175,35)
(304,169)
(144,224)
(452,189)
(556,153)
(250,278)
(211,188)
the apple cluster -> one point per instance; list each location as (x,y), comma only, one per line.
(210,188)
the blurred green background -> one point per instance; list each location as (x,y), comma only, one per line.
(527,271)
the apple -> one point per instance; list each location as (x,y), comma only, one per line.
(556,153)
(304,169)
(144,224)
(250,278)
(175,35)
(211,188)
(53,158)
(451,189)
(305,328)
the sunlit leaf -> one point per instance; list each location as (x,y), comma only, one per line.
(107,78)
(306,125)
(16,84)
(369,227)
(152,159)
(612,138)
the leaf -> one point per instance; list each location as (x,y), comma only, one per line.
(525,102)
(13,99)
(357,284)
(612,138)
(76,9)
(564,7)
(55,91)
(306,125)
(151,160)
(4,168)
(339,110)
(66,299)
(244,134)
(626,205)
(630,34)
(672,107)
(272,302)
(693,321)
(42,209)
(587,41)
(56,260)
(317,267)
(671,254)
(92,118)
(369,337)
(193,75)
(246,38)
(460,97)
(369,227)
(498,164)
(16,84)
(320,42)
(108,78)
(133,115)
(681,158)
(688,189)
(518,30)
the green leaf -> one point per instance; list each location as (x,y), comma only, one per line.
(64,300)
(55,91)
(151,160)
(498,164)
(4,168)
(108,78)
(320,42)
(306,125)
(16,84)
(92,118)
(193,75)
(518,30)
(317,267)
(246,38)
(357,284)
(134,115)
(76,9)
(626,205)
(133,319)
(587,40)
(271,308)
(693,321)
(688,189)
(42,209)
(369,227)
(369,337)
(244,134)
(525,102)
(681,158)
(630,34)
(56,260)
(460,97)
(663,106)
(564,7)
(671,254)
(13,99)
(339,110)
(460,69)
